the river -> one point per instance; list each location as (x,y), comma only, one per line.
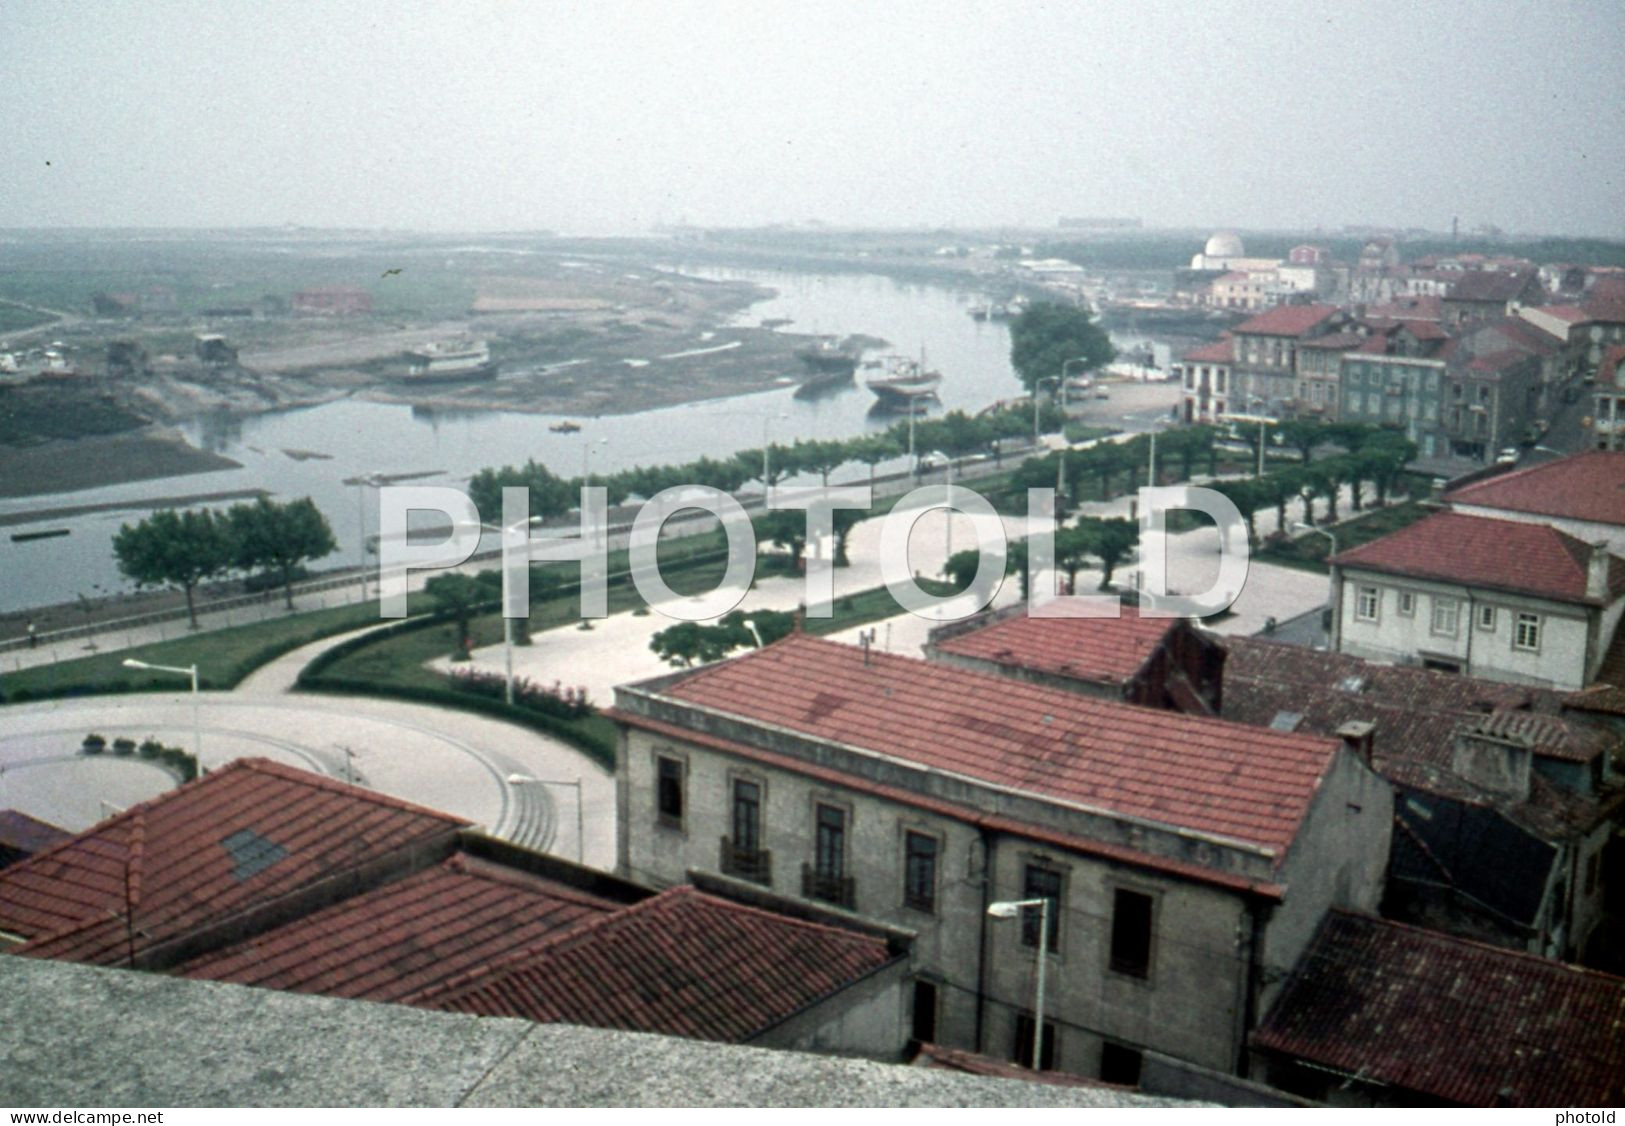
(359,438)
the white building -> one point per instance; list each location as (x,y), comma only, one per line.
(1500,599)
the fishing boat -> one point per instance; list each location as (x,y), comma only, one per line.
(904,383)
(450,361)
(828,356)
(565,427)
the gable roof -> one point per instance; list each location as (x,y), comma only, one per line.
(1585,486)
(1489,286)
(683,963)
(410,939)
(1450,1018)
(1477,551)
(1108,650)
(247,833)
(1286,320)
(22,835)
(1220,351)
(1185,772)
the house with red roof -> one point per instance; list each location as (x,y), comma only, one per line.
(1487,294)
(1582,495)
(1265,363)
(1608,410)
(1499,599)
(1186,860)
(1377,1013)
(264,875)
(1204,374)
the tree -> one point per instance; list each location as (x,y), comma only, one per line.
(872,449)
(688,643)
(1113,540)
(1304,434)
(1046,335)
(178,549)
(1073,547)
(458,596)
(1248,497)
(786,528)
(270,536)
(550,495)
(845,520)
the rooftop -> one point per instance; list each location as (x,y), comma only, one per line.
(684,963)
(1220,351)
(1489,285)
(1196,774)
(1109,650)
(1450,1018)
(1478,551)
(1585,486)
(244,834)
(410,939)
(22,835)
(1286,320)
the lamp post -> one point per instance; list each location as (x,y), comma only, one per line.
(1299,525)
(586,449)
(581,838)
(197,727)
(507,622)
(1037,383)
(1011,909)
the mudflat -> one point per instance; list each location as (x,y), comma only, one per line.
(64,465)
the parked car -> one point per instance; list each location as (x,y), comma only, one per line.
(1508,456)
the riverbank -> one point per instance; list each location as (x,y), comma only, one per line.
(68,465)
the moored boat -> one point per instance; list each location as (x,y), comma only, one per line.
(904,383)
(449,360)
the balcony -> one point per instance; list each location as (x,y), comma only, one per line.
(755,865)
(839,890)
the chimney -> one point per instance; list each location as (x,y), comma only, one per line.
(1597,572)
(1357,736)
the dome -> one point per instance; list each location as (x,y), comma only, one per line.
(1225,244)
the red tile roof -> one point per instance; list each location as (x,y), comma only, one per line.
(1286,320)
(22,833)
(242,835)
(1489,286)
(1191,773)
(406,941)
(1478,551)
(1337,341)
(1451,1019)
(1218,352)
(1111,650)
(684,963)
(1586,486)
(958,1059)
(1428,308)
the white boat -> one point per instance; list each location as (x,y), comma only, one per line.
(903,382)
(450,360)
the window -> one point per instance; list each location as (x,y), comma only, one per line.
(1486,617)
(1041,883)
(1527,634)
(1593,865)
(825,878)
(920,871)
(669,791)
(1407,603)
(1131,933)
(1022,1049)
(925,1012)
(1120,1064)
(1366,600)
(747,816)
(830,858)
(1445,612)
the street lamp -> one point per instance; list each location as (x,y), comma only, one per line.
(507,622)
(1299,525)
(1011,909)
(1037,383)
(197,727)
(581,838)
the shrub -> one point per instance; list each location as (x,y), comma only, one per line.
(123,746)
(150,748)
(557,701)
(94,744)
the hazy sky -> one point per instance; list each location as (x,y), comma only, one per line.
(614,116)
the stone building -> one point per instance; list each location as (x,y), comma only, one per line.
(1188,860)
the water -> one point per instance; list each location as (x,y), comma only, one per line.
(360,438)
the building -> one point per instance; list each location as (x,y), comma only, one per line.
(1608,405)
(1582,496)
(1155,662)
(1492,395)
(1506,795)
(332,301)
(1497,599)
(1378,1013)
(916,794)
(1205,375)
(1264,366)
(1488,294)
(1406,392)
(260,874)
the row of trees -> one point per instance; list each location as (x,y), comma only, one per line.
(956,434)
(1108,540)
(182,549)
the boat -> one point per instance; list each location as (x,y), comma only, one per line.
(566,427)
(449,361)
(904,383)
(829,356)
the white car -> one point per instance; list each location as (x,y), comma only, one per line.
(1508,456)
(936,459)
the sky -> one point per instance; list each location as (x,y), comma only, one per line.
(611,117)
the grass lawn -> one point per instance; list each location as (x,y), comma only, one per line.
(223,657)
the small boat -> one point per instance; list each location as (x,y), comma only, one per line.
(566,427)
(29,537)
(904,383)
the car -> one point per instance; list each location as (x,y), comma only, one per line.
(1508,456)
(1102,393)
(936,459)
